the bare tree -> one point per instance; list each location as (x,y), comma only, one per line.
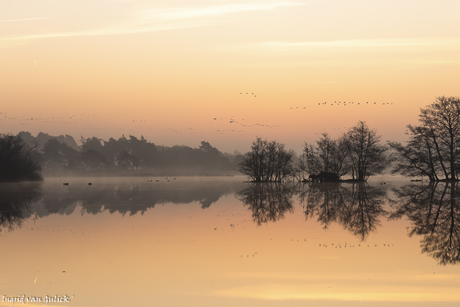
(326,148)
(267,162)
(309,161)
(366,153)
(417,157)
(433,149)
(341,162)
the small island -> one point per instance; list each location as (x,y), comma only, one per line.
(358,154)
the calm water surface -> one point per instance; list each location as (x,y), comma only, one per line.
(218,241)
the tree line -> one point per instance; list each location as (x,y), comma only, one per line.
(137,155)
(22,157)
(432,151)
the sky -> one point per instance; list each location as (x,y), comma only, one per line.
(224,71)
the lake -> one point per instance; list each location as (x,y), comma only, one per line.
(219,241)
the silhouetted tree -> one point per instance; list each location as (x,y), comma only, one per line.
(366,153)
(130,154)
(125,160)
(416,158)
(93,143)
(334,155)
(17,160)
(309,162)
(59,156)
(51,155)
(42,138)
(433,149)
(326,148)
(267,162)
(93,160)
(357,153)
(135,154)
(212,159)
(235,158)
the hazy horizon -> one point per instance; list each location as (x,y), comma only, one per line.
(192,144)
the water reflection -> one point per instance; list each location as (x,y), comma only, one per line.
(432,210)
(268,202)
(15,201)
(357,207)
(435,214)
(131,198)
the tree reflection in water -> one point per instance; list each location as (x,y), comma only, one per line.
(15,201)
(131,198)
(357,207)
(435,214)
(267,201)
(432,209)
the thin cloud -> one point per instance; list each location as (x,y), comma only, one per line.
(24,19)
(359,43)
(117,30)
(161,20)
(210,11)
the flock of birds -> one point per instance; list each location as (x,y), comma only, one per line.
(344,103)
(243,124)
(336,246)
(252,94)
(72,119)
(86,120)
(353,245)
(247,256)
(240,123)
(136,125)
(188,130)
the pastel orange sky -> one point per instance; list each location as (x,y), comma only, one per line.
(173,70)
